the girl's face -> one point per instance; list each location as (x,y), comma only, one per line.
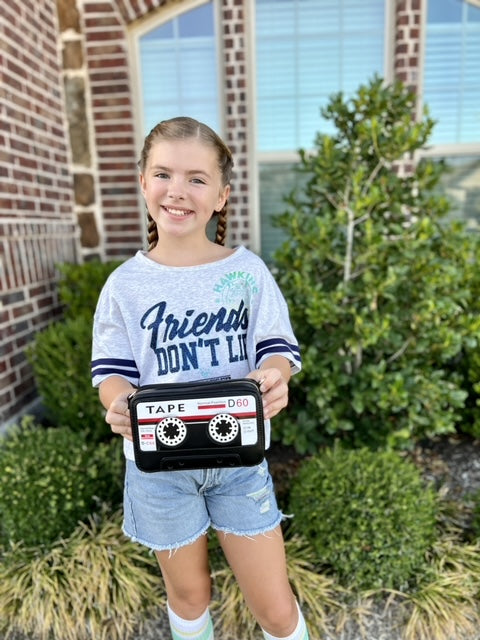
(182,187)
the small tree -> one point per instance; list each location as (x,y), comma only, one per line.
(378,284)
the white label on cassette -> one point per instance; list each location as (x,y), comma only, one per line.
(248,429)
(146,435)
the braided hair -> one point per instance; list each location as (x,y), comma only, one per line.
(182,128)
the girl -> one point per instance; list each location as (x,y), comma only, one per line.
(192,309)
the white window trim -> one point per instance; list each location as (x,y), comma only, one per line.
(444,150)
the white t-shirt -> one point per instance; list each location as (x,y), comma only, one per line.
(158,324)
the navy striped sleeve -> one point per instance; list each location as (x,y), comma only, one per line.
(278,346)
(115,367)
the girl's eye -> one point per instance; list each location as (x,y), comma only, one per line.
(198,181)
(162,175)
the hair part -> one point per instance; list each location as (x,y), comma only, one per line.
(184,128)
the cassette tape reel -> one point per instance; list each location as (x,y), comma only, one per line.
(223,428)
(197,425)
(171,431)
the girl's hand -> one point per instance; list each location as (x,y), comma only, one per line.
(118,416)
(274,388)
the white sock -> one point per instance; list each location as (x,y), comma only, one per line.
(300,632)
(199,629)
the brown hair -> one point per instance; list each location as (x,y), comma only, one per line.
(182,128)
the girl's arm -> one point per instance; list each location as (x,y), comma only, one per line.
(114,392)
(273,377)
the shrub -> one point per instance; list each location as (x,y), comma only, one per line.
(366,514)
(51,479)
(61,354)
(380,287)
(94,585)
(60,357)
(80,285)
(469,363)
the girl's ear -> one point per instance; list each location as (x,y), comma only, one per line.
(222,198)
(141,180)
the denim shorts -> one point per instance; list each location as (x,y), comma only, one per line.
(170,509)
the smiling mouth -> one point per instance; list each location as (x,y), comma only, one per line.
(178,213)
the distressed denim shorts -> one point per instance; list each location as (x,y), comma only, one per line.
(170,509)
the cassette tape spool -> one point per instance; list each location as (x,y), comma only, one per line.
(197,425)
(171,431)
(223,428)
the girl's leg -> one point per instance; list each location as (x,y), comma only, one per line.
(260,567)
(186,574)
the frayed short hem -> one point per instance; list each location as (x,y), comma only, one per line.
(169,547)
(251,533)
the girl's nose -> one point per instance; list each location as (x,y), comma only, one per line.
(175,189)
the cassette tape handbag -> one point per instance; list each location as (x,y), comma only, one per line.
(197,425)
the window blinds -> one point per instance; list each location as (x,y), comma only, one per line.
(452,71)
(307,50)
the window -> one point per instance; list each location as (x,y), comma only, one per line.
(276,180)
(452,71)
(178,68)
(461,185)
(306,51)
(452,93)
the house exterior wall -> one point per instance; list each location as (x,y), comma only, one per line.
(69,149)
(37,226)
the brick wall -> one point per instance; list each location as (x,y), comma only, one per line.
(37,228)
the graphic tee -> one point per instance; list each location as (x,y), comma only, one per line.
(217,321)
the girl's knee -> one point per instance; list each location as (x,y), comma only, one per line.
(279,617)
(190,599)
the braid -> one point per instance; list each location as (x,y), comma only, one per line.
(152,232)
(221,233)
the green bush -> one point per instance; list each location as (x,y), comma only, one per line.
(469,362)
(51,479)
(60,357)
(61,354)
(80,285)
(381,289)
(367,515)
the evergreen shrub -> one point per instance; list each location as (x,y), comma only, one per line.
(61,354)
(51,479)
(60,357)
(469,361)
(382,289)
(80,285)
(368,516)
